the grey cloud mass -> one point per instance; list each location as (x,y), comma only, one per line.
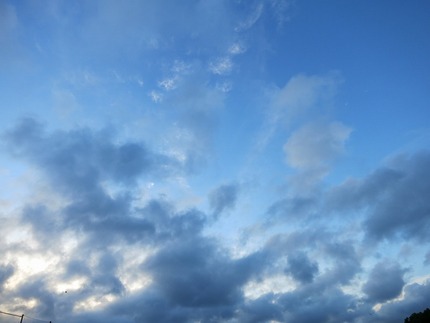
(189,276)
(214,161)
(301,268)
(385,282)
(392,196)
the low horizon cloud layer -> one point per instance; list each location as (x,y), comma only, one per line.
(214,161)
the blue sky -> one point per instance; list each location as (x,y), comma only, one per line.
(215,161)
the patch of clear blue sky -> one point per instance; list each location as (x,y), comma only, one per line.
(381,50)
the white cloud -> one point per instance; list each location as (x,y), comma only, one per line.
(236,49)
(168,84)
(303,93)
(221,66)
(316,144)
(302,97)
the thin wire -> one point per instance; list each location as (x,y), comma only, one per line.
(24,316)
(29,317)
(1,312)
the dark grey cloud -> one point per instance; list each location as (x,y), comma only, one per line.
(170,224)
(263,309)
(36,288)
(196,273)
(355,194)
(416,299)
(192,277)
(392,198)
(223,198)
(314,305)
(385,282)
(310,303)
(340,252)
(6,271)
(346,259)
(76,161)
(404,210)
(106,275)
(301,268)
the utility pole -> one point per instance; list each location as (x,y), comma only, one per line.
(22,317)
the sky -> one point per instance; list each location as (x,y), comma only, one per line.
(215,160)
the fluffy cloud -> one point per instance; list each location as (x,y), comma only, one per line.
(385,282)
(301,268)
(81,158)
(122,261)
(392,196)
(111,223)
(415,299)
(186,270)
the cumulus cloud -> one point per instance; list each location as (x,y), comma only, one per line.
(186,270)
(114,218)
(415,300)
(385,282)
(188,275)
(301,268)
(354,194)
(393,208)
(181,274)
(194,274)
(83,157)
(402,209)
